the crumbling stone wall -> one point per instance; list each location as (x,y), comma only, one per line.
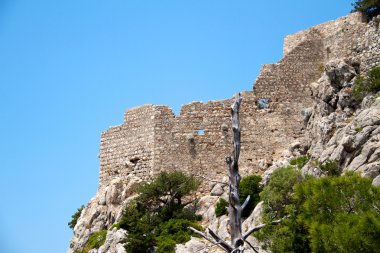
(128,148)
(339,36)
(368,46)
(153,139)
(347,37)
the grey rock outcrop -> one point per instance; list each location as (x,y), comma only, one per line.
(115,241)
(340,129)
(102,211)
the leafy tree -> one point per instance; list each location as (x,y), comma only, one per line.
(167,190)
(329,214)
(250,186)
(75,217)
(370,7)
(277,194)
(158,216)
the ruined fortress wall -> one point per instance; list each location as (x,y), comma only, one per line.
(368,46)
(198,140)
(153,139)
(339,36)
(289,79)
(346,37)
(128,148)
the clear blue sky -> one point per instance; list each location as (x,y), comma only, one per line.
(69,69)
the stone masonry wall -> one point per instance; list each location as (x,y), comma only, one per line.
(128,148)
(339,36)
(368,46)
(153,139)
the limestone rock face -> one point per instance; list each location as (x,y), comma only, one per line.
(193,246)
(114,242)
(101,212)
(340,129)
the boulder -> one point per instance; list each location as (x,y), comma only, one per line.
(217,190)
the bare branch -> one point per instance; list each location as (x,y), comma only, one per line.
(203,235)
(245,202)
(224,245)
(257,228)
(251,246)
(219,242)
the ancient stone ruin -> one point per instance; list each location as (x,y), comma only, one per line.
(302,103)
(152,138)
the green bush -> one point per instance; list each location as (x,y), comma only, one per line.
(166,245)
(331,168)
(301,161)
(75,217)
(176,229)
(158,216)
(369,84)
(250,186)
(167,190)
(374,79)
(359,91)
(277,194)
(329,214)
(370,7)
(95,241)
(221,207)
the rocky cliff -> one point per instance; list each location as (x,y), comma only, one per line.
(311,110)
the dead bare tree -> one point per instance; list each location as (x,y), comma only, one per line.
(235,207)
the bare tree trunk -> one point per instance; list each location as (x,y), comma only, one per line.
(235,208)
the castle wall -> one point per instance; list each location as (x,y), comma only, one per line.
(197,141)
(339,36)
(368,46)
(128,148)
(153,139)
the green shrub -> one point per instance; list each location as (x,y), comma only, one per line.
(167,190)
(370,7)
(75,217)
(95,241)
(301,161)
(250,186)
(221,207)
(331,168)
(374,79)
(158,216)
(277,194)
(166,245)
(329,214)
(359,91)
(176,229)
(369,84)
(139,243)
